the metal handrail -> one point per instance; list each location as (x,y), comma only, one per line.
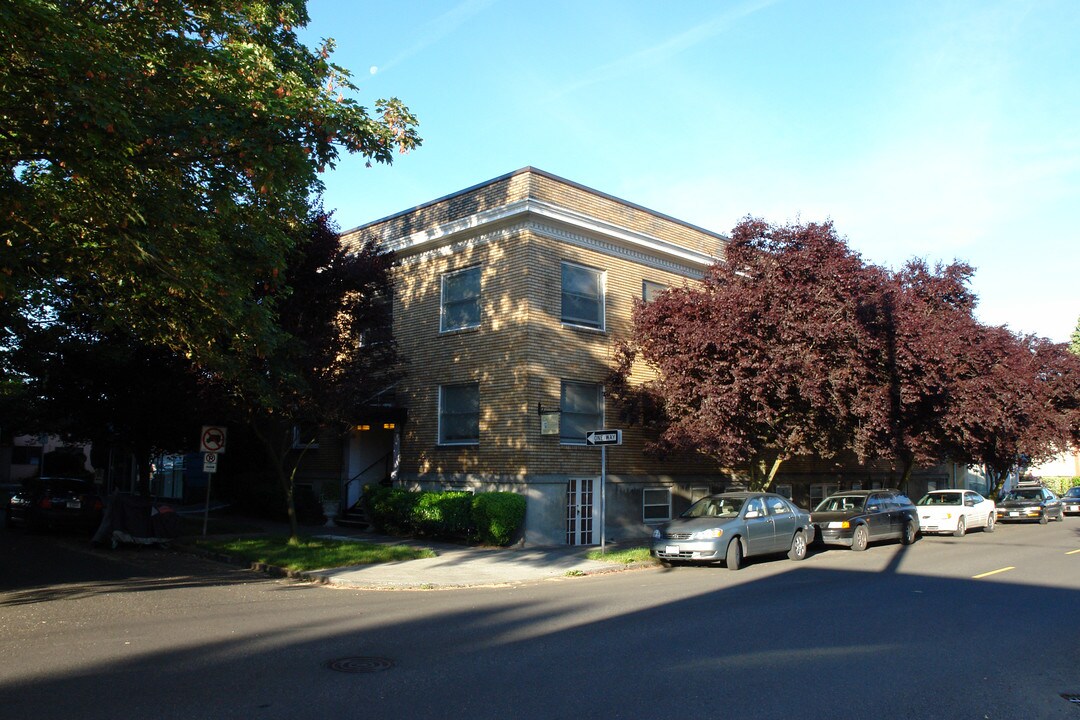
(385,459)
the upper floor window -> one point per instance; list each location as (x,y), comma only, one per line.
(460,304)
(582,406)
(582,296)
(459,414)
(650,289)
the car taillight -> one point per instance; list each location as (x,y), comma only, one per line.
(45,503)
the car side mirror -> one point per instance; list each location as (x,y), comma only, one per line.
(873,508)
(751,514)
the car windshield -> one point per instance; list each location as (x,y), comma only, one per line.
(723,507)
(942,499)
(1025,494)
(841,503)
(1073,493)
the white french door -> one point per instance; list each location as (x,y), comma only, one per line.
(579,511)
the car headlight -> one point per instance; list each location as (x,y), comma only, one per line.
(840,525)
(710,534)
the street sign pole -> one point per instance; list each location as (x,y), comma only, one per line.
(603,438)
(206,510)
(603,500)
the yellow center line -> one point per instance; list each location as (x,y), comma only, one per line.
(1073,552)
(992,572)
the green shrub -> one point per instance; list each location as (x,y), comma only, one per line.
(444,514)
(491,518)
(498,517)
(390,509)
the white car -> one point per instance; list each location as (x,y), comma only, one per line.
(955,511)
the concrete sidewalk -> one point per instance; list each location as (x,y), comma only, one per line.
(457,567)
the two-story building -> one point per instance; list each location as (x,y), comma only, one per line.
(509,298)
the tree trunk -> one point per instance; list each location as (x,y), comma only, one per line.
(277,461)
(905,476)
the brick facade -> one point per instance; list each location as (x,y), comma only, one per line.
(518,230)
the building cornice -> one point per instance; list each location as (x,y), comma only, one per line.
(555,222)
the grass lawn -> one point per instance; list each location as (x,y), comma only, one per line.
(624,556)
(311,553)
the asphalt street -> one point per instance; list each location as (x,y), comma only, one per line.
(973,627)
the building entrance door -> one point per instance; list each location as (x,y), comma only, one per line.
(579,511)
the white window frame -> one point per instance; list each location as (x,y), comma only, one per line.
(646,504)
(601,288)
(441,414)
(443,327)
(565,413)
(657,288)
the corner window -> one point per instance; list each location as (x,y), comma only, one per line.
(650,289)
(582,296)
(460,303)
(459,414)
(656,504)
(582,406)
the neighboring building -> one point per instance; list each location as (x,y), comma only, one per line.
(1065,465)
(29,457)
(509,298)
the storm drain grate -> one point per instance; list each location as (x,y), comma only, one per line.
(360,664)
(1073,698)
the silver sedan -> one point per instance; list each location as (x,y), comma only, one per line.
(732,526)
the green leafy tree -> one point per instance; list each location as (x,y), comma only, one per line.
(1074,340)
(157,158)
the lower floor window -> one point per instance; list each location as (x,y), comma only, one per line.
(820,491)
(656,504)
(582,406)
(459,414)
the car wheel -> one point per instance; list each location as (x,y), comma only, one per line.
(911,534)
(1043,519)
(961,527)
(860,539)
(991,523)
(798,547)
(734,554)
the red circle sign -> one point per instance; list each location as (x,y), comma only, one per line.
(213,439)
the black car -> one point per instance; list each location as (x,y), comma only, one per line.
(1030,502)
(1070,501)
(56,503)
(856,518)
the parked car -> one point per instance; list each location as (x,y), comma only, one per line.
(1070,501)
(856,518)
(732,526)
(955,511)
(1030,502)
(56,502)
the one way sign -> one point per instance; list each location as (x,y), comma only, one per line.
(604,437)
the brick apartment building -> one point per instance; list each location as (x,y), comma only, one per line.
(509,297)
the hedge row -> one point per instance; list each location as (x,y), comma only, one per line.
(494,518)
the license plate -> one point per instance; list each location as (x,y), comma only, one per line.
(1014,514)
(74,504)
(1073,508)
(671,550)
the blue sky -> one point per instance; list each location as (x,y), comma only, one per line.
(946,130)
